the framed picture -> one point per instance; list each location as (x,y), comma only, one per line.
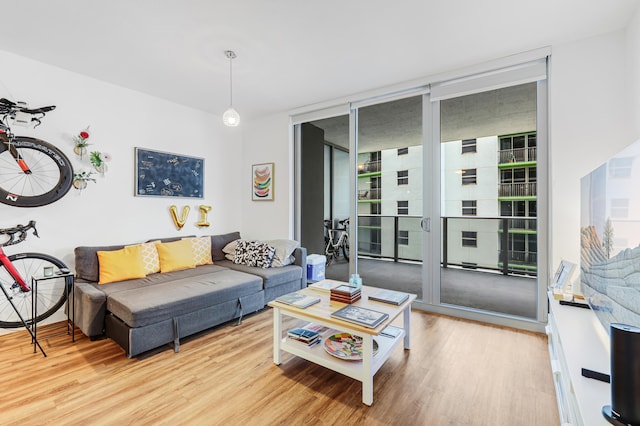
(164,174)
(262,182)
(358,315)
(563,273)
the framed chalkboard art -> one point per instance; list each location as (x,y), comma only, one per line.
(164,174)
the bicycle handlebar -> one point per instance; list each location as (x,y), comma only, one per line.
(8,107)
(21,230)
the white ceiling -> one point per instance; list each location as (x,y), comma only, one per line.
(291,53)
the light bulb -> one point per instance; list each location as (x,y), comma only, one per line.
(231,117)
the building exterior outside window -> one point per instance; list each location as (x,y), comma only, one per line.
(483,181)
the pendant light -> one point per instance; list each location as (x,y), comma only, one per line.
(230,117)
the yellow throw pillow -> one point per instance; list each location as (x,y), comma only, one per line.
(175,256)
(150,258)
(201,250)
(120,265)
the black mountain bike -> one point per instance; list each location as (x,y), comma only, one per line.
(33,172)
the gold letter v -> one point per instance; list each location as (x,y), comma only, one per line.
(179,221)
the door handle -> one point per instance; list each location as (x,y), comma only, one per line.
(425,224)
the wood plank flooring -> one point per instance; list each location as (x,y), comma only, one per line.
(457,372)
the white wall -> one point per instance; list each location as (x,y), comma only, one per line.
(267,140)
(589,122)
(107,211)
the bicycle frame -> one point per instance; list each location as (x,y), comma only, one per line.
(4,260)
(7,145)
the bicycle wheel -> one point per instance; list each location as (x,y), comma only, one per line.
(50,179)
(345,248)
(51,293)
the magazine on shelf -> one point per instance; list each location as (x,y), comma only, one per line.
(303,335)
(391,331)
(359,315)
(320,329)
(298,300)
(389,296)
(324,286)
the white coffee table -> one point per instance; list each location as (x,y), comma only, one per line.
(320,313)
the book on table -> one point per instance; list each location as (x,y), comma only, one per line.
(325,286)
(389,296)
(298,300)
(303,335)
(359,315)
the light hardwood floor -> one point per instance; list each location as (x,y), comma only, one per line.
(457,372)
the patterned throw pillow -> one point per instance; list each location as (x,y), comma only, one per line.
(150,257)
(201,250)
(254,253)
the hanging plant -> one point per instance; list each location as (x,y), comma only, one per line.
(80,179)
(81,143)
(99,161)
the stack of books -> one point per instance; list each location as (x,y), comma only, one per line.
(345,294)
(303,335)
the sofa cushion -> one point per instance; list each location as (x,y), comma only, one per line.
(254,253)
(219,241)
(201,247)
(87,266)
(120,265)
(284,251)
(230,250)
(176,297)
(150,258)
(175,256)
(271,277)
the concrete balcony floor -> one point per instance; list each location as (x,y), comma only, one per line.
(486,291)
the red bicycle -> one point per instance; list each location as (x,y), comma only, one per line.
(16,271)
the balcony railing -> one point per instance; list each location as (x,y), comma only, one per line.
(518,155)
(400,238)
(370,167)
(527,189)
(369,194)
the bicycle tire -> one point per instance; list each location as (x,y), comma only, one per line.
(345,249)
(52,293)
(50,179)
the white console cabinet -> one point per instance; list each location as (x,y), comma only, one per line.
(578,340)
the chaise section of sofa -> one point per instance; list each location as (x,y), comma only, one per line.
(145,313)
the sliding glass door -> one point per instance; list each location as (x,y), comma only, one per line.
(445,191)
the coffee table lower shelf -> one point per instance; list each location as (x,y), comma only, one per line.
(354,369)
(361,370)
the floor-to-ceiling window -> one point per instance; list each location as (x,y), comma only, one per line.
(448,192)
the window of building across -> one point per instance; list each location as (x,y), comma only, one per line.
(469,239)
(403,207)
(469,145)
(403,177)
(469,207)
(469,177)
(403,238)
(403,151)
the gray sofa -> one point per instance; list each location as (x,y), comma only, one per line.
(146,313)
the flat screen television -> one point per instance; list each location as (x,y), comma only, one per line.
(610,238)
